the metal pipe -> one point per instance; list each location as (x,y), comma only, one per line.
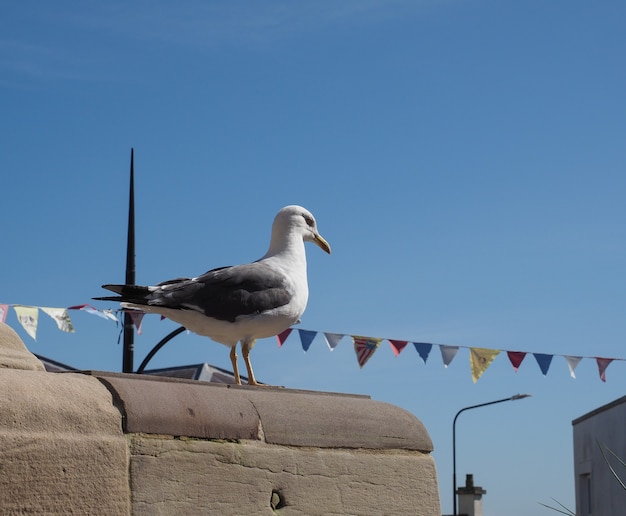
(156,348)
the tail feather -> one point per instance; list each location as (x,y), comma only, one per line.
(108,298)
(127,293)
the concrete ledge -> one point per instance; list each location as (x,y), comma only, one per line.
(176,407)
(274,415)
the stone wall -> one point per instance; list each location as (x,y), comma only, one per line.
(106,443)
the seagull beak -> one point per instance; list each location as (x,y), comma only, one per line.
(321,242)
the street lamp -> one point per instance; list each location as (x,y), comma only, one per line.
(512,398)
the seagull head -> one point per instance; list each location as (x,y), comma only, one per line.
(298,220)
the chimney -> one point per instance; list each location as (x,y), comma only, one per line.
(470,498)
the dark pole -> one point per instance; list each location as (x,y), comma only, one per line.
(512,398)
(129,330)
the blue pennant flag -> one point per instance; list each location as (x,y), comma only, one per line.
(543,361)
(423,349)
(306,337)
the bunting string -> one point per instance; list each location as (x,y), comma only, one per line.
(364,347)
(480,358)
(28,316)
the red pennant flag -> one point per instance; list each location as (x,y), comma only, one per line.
(516,358)
(603,363)
(3,312)
(137,317)
(282,337)
(397,346)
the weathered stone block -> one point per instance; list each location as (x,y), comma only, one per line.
(188,476)
(300,452)
(62,449)
(129,444)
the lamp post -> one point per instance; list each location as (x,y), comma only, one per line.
(512,398)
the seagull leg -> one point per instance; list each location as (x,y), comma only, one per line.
(246,346)
(233,359)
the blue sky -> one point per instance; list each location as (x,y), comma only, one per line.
(465,160)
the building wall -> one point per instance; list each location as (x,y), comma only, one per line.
(598,492)
(116,444)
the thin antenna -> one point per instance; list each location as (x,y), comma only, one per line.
(129,330)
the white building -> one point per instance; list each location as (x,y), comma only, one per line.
(598,492)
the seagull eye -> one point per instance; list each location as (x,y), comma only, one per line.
(310,222)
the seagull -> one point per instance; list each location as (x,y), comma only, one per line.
(240,303)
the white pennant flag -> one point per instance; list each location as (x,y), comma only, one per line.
(332,339)
(572,362)
(105,314)
(448,353)
(28,317)
(61,317)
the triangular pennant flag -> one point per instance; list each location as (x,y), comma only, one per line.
(4,310)
(107,314)
(423,349)
(480,360)
(306,337)
(603,363)
(448,353)
(572,362)
(61,317)
(77,307)
(544,362)
(28,317)
(516,358)
(332,339)
(397,346)
(104,314)
(137,318)
(365,347)
(282,336)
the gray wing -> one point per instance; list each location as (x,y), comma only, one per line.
(227,292)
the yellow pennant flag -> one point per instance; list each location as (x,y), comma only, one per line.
(28,316)
(480,360)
